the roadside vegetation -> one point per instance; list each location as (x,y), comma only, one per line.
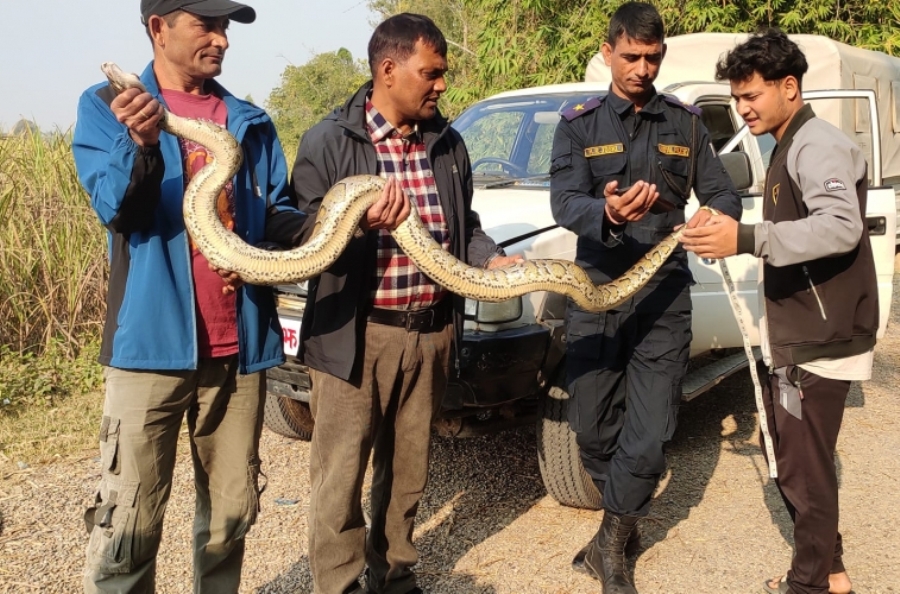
(53,265)
(52,282)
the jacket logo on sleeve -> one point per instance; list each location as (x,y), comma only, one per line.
(775,190)
(673,150)
(834,184)
(606,149)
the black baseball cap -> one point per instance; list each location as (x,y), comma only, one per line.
(207,8)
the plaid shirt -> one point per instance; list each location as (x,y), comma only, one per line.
(397,283)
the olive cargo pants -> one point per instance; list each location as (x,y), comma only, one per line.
(142,417)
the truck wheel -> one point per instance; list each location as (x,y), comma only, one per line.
(288,417)
(564,476)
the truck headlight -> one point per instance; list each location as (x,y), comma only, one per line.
(494,313)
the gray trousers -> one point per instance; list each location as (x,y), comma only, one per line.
(388,411)
(142,417)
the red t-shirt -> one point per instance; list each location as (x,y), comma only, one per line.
(216,312)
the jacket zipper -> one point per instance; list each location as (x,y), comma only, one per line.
(814,292)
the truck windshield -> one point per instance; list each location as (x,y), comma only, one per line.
(512,137)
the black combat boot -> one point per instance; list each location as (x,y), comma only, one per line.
(605,558)
(632,548)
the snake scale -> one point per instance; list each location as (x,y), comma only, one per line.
(342,207)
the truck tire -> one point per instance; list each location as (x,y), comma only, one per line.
(288,417)
(564,476)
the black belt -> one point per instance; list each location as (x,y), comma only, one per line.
(419,320)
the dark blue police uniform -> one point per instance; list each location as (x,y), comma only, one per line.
(624,367)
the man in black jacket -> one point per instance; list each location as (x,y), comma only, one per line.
(376,332)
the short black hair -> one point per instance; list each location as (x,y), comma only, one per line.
(396,38)
(770,53)
(639,21)
(169,18)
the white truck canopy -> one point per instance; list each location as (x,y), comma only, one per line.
(832,65)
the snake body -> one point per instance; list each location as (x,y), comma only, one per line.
(342,207)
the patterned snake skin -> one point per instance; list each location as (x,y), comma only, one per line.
(339,214)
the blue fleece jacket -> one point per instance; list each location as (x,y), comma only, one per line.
(137,194)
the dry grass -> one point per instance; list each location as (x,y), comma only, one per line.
(53,265)
(38,435)
(53,247)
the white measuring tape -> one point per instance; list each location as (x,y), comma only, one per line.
(748,350)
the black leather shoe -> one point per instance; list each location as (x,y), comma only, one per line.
(605,557)
(632,548)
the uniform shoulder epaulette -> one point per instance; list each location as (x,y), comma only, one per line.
(673,100)
(580,109)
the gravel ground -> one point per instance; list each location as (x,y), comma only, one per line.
(487,526)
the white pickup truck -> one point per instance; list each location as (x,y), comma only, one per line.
(511,357)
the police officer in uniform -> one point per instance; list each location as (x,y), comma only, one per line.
(623,166)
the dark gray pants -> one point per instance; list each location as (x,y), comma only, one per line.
(624,374)
(807,477)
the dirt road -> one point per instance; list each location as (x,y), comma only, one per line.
(487,526)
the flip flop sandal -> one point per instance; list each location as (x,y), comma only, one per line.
(783,587)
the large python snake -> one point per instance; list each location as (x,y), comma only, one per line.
(342,207)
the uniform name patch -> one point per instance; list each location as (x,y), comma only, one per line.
(606,149)
(834,184)
(673,150)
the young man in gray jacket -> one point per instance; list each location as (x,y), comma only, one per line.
(819,301)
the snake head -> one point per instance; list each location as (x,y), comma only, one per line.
(120,80)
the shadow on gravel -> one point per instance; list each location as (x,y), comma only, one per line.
(486,483)
(478,486)
(724,415)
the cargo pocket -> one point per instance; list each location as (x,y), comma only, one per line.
(672,414)
(584,338)
(254,491)
(109,445)
(111,524)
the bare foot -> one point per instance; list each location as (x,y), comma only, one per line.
(839,583)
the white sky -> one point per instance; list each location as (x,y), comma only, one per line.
(51,50)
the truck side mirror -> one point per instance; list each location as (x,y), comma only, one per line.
(737,164)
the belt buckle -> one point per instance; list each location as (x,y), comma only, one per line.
(411,316)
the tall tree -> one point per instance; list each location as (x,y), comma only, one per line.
(309,92)
(532,42)
(459,26)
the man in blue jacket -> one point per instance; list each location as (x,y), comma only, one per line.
(179,337)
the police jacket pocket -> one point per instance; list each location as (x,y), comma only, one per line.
(608,166)
(674,171)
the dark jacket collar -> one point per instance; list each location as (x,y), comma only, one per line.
(803,115)
(239,111)
(352,116)
(622,106)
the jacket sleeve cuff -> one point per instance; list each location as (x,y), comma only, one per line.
(746,239)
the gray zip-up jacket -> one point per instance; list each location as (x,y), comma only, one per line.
(820,288)
(337,147)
